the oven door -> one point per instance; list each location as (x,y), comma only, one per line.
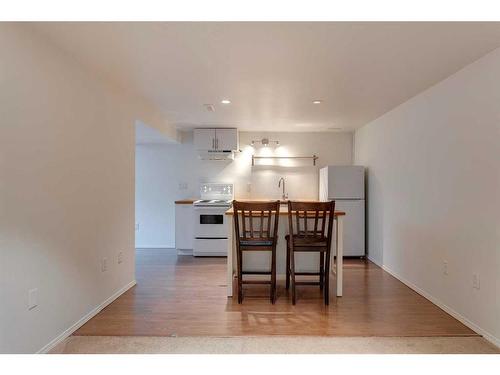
(210,222)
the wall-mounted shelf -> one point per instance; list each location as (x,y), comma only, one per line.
(313,158)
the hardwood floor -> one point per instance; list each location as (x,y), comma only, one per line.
(186,296)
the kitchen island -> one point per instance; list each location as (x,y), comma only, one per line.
(305,262)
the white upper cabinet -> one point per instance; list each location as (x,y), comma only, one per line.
(216,139)
(226,139)
(204,139)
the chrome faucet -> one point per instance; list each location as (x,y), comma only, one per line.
(284,196)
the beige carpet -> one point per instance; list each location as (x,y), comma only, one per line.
(273,345)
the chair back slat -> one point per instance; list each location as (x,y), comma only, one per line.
(316,217)
(243,220)
(261,233)
(306,232)
(323,223)
(268,223)
(250,217)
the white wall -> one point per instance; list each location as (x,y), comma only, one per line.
(155,188)
(161,168)
(434,192)
(66,189)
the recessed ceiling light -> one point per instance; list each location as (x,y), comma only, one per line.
(225,101)
(317,101)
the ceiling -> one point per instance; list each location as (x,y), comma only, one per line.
(272,72)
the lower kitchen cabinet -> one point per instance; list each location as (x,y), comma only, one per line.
(184,228)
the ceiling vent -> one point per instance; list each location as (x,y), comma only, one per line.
(209,107)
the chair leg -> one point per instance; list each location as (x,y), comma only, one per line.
(321,269)
(287,265)
(327,279)
(273,276)
(292,274)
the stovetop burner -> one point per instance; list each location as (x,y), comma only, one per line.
(212,202)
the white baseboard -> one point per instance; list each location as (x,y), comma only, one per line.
(184,251)
(375,261)
(488,336)
(85,319)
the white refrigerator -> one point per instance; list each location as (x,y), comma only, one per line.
(346,186)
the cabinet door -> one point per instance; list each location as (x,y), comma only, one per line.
(204,139)
(184,226)
(227,139)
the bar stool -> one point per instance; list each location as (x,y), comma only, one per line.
(315,238)
(256,228)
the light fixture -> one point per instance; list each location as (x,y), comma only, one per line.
(225,101)
(265,142)
(317,101)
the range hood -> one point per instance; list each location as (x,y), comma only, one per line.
(215,155)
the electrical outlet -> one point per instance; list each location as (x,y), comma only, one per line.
(136,227)
(120,257)
(249,187)
(104,264)
(183,185)
(32,298)
(476,281)
(445,268)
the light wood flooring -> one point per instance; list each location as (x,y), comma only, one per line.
(186,296)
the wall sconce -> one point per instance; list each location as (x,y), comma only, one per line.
(265,142)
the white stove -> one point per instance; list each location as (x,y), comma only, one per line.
(211,224)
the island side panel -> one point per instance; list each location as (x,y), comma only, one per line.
(340,254)
(231,255)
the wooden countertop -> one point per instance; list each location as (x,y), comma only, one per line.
(185,201)
(284,211)
(283,207)
(190,201)
(281,201)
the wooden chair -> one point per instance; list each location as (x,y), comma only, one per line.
(256,230)
(308,233)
